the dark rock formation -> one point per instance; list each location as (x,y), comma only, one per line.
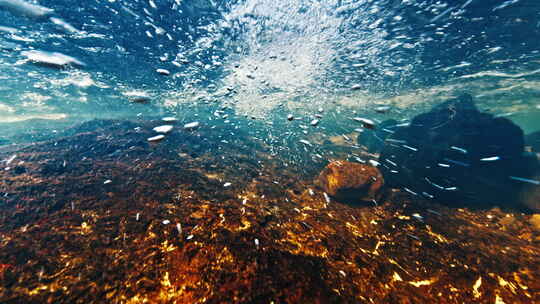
(351,182)
(458,155)
(533,140)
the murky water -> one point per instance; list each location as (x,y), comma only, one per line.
(208,139)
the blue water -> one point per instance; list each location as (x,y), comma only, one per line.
(301,52)
(257,61)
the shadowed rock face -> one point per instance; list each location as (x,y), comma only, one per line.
(533,140)
(351,182)
(459,155)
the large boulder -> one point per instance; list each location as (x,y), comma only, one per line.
(458,155)
(351,182)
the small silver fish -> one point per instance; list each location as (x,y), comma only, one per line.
(459,149)
(410,191)
(489,159)
(525,180)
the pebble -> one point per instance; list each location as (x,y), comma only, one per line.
(227,185)
(191,125)
(107,182)
(314,122)
(290,117)
(189,237)
(156,138)
(166,222)
(137,217)
(356,87)
(163,72)
(163,129)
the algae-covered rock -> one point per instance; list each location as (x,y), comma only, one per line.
(347,181)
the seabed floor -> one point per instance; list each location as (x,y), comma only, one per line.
(104,216)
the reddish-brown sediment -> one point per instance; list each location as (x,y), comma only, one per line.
(66,237)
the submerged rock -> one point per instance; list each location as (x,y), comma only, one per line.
(459,156)
(351,182)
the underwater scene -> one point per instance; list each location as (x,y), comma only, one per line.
(270,151)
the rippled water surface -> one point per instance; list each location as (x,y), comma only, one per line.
(254,56)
